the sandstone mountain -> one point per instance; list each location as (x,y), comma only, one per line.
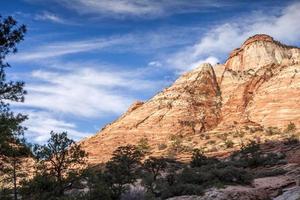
(213,107)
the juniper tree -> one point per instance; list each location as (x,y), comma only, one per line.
(61,158)
(11,149)
(123,168)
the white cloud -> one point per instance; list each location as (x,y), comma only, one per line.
(220,40)
(65,48)
(141,8)
(155,64)
(85,92)
(78,93)
(47,16)
(40,124)
(136,42)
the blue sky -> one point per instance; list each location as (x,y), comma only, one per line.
(85,61)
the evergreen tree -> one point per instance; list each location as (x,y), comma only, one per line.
(123,169)
(61,158)
(10,128)
(11,146)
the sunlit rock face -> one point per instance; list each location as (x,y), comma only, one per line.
(261,50)
(259,85)
(190,105)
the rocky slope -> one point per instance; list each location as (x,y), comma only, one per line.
(257,87)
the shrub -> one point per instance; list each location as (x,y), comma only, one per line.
(182,189)
(272,131)
(199,159)
(233,175)
(123,169)
(162,146)
(291,127)
(229,143)
(268,173)
(252,156)
(143,146)
(291,140)
(211,142)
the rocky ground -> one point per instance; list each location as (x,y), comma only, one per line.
(285,186)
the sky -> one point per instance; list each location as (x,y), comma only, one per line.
(85,62)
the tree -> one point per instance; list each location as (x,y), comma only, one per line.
(10,36)
(199,159)
(11,149)
(153,166)
(14,163)
(122,169)
(143,146)
(61,158)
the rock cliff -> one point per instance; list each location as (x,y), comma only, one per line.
(258,86)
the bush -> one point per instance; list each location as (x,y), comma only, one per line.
(41,187)
(291,140)
(269,172)
(199,159)
(252,156)
(182,189)
(162,146)
(233,175)
(143,146)
(291,127)
(272,131)
(229,143)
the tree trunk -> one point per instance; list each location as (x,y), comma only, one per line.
(15,179)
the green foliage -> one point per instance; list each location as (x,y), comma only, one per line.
(162,146)
(181,189)
(41,187)
(291,127)
(229,143)
(153,168)
(60,158)
(269,172)
(11,129)
(123,169)
(273,131)
(199,159)
(292,140)
(251,156)
(143,146)
(97,185)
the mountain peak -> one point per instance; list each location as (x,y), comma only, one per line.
(261,50)
(208,103)
(258,37)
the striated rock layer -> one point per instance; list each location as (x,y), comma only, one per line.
(259,85)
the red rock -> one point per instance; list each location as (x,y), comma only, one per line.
(259,85)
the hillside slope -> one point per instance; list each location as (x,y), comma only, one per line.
(257,87)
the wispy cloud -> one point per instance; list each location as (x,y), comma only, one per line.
(47,16)
(85,92)
(138,42)
(79,93)
(40,124)
(67,47)
(217,43)
(141,8)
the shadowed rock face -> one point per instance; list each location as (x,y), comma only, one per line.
(259,85)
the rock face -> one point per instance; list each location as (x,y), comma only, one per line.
(259,85)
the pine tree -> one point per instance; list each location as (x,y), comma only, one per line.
(11,130)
